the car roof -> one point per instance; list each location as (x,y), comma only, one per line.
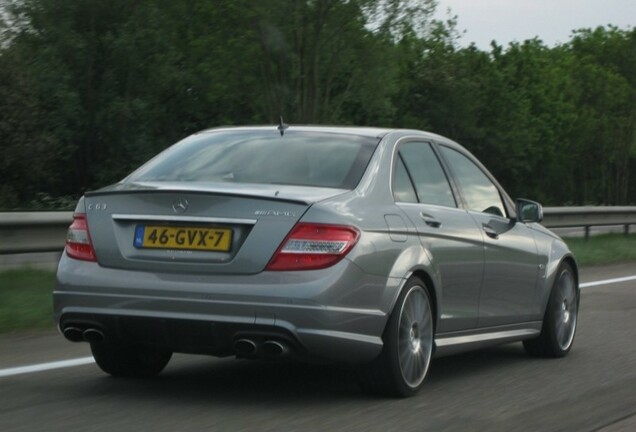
(347,130)
(371,132)
(364,131)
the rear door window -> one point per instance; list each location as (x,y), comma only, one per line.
(425,174)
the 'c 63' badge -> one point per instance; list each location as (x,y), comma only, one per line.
(97,206)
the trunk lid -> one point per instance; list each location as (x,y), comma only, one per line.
(194,228)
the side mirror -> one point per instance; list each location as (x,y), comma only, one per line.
(529,211)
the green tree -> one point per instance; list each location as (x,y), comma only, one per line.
(605,72)
(90,89)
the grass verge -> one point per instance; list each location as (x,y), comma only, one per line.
(603,249)
(26,299)
(26,294)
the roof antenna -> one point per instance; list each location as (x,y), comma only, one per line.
(282,126)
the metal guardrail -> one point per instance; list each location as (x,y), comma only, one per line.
(586,217)
(27,232)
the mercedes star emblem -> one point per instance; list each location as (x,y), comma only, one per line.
(180,205)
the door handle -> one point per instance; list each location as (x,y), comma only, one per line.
(430,220)
(490,232)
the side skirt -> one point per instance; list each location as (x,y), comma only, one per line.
(456,342)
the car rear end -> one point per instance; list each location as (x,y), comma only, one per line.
(220,246)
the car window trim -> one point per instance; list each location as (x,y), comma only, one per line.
(408,174)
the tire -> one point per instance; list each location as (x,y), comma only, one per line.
(133,361)
(560,318)
(400,369)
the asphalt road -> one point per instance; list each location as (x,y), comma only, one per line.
(592,389)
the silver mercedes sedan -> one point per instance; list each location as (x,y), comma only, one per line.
(375,247)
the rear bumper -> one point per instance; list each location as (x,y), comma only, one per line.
(333,314)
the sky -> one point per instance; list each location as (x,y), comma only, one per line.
(517,20)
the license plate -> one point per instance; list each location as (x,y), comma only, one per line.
(189,238)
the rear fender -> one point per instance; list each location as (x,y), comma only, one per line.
(415,261)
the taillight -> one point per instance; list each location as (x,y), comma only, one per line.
(314,246)
(78,240)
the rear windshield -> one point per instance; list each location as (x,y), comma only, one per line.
(297,158)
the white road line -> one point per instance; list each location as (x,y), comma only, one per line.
(88,360)
(607,281)
(46,366)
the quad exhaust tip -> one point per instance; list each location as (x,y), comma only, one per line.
(76,334)
(274,349)
(93,335)
(245,347)
(73,334)
(270,349)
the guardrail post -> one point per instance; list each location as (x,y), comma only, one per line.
(626,229)
(587,232)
